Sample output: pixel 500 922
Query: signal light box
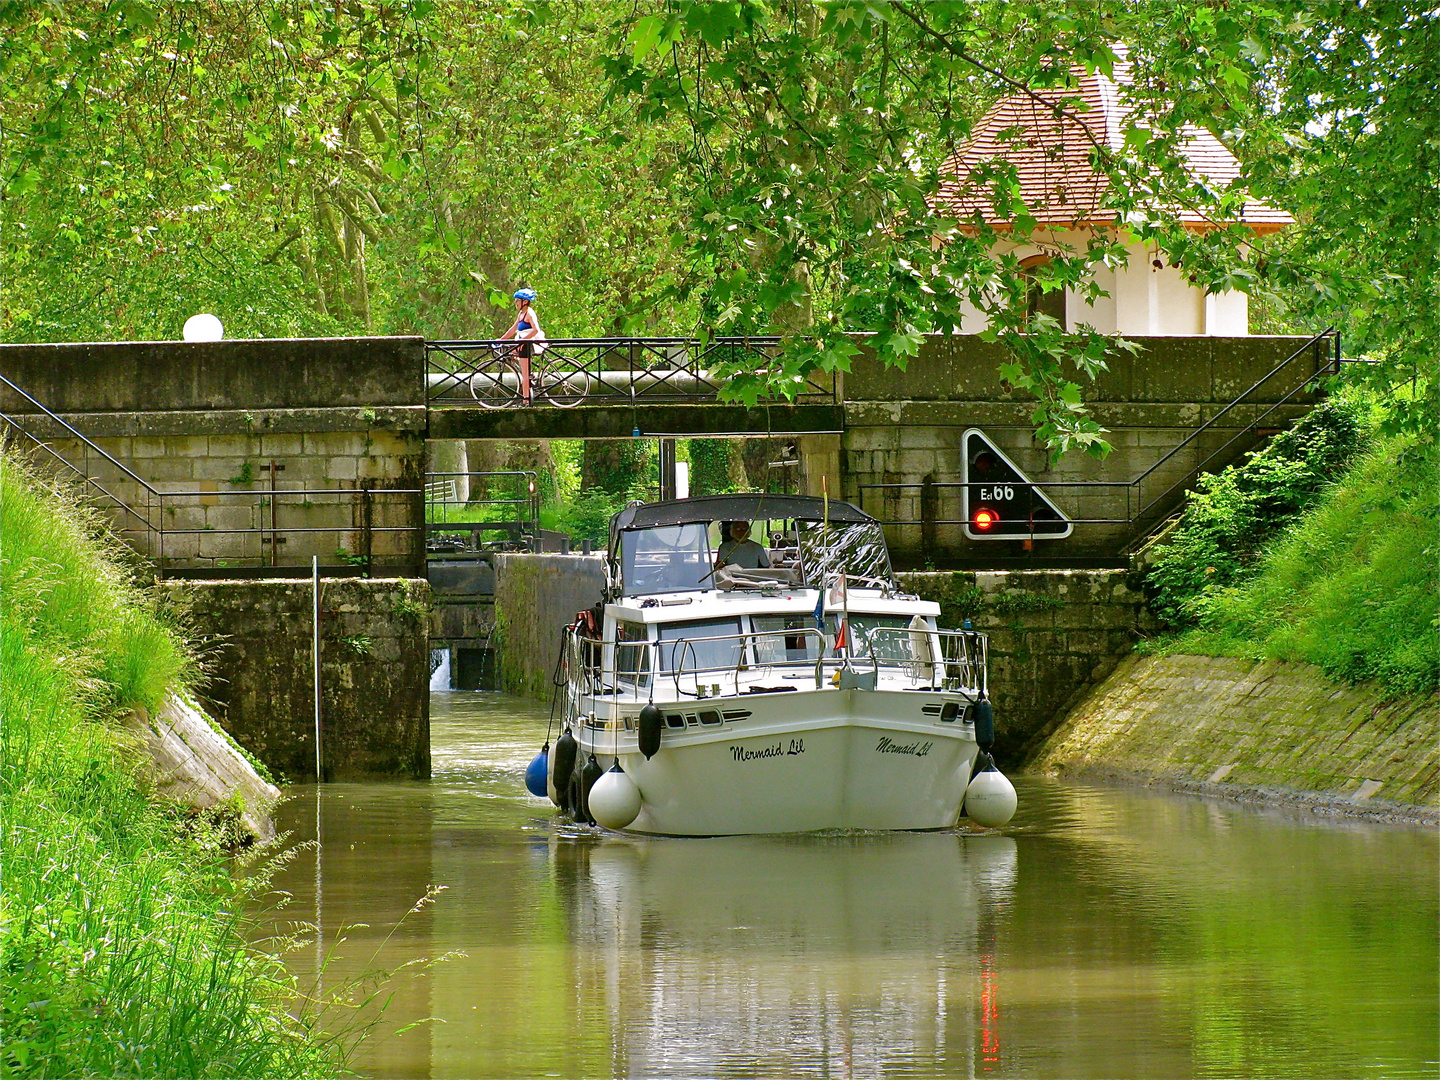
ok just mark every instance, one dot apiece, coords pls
pixel 1000 501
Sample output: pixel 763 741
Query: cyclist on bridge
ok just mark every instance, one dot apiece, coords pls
pixel 526 330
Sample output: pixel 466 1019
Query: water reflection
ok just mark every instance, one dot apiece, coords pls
pixel 1107 933
pixel 799 952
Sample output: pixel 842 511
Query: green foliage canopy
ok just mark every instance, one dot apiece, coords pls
pixel 819 131
pixel 739 166
pixel 310 168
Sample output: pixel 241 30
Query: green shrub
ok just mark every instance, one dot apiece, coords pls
pixel 588 515
pixel 1351 587
pixel 1235 513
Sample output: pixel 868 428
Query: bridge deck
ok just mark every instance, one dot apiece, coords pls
pixel 621 420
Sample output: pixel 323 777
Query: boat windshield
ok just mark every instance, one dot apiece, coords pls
pixel 669 558
pixel 856 549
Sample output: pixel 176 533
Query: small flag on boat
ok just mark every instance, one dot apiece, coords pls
pixel 820 608
pixel 841 634
pixel 835 598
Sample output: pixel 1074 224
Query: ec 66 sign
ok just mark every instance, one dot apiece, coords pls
pixel 1000 501
pixel 996 494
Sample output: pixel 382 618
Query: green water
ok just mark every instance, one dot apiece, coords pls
pixel 1107 932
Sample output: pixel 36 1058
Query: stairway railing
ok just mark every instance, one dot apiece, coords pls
pixel 1144 519
pixel 148 513
pixel 1146 511
pixel 151 520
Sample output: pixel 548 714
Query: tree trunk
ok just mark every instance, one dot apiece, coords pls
pixel 618 466
pixel 448 456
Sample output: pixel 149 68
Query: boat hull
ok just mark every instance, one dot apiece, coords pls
pixel 800 762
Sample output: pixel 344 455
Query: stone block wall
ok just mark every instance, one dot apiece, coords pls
pixel 462 619
pixel 264 499
pixel 905 428
pixel 1232 727
pixel 1053 634
pixel 536 596
pixel 375 671
pixel 213 427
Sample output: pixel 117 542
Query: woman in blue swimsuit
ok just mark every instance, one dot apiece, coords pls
pixel 526 330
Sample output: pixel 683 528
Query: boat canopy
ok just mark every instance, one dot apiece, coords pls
pixel 665 546
pixel 745 506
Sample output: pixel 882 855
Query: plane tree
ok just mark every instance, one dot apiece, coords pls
pixel 819 132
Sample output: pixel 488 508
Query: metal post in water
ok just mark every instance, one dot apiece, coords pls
pixel 315 653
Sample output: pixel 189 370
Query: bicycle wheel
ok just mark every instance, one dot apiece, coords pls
pixel 564 382
pixel 496 383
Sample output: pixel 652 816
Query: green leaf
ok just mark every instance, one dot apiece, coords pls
pixel 646 35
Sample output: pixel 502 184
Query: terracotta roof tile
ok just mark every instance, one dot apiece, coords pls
pixel 1052 159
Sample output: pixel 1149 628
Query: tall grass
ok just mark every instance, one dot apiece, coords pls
pixel 1351 586
pixel 121 946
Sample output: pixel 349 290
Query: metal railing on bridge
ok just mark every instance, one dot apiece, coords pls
pixel 601 371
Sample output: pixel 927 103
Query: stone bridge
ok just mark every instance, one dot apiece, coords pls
pixel 251 458
pixel 265 453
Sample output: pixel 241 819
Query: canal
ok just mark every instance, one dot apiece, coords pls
pixel 1106 932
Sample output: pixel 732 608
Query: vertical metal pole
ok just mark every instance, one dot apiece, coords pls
pixel 667 469
pixel 274 518
pixel 319 899
pixel 315 654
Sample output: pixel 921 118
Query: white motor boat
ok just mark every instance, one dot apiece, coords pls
pixel 808 695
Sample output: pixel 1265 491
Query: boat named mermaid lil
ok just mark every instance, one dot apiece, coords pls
pixel 809 694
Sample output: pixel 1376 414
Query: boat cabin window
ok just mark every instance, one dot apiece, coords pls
pixel 700 655
pixel 889 635
pixel 632 654
pixel 856 549
pixel 786 638
pixel 670 558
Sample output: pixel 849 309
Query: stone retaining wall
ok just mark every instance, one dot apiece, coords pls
pixel 1266 731
pixel 1053 634
pixel 196 765
pixel 901 450
pixel 375 672
pixel 251 453
pixel 536 596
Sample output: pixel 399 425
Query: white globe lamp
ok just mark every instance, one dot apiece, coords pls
pixel 203 327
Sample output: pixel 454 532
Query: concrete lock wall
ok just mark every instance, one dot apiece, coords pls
pixel 1253 731
pixel 375 672
pixel 1053 634
pixel 904 428
pixel 536 596
pixel 462 620
pixel 262 452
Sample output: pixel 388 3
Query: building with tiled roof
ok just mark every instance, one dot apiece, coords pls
pixel 1069 199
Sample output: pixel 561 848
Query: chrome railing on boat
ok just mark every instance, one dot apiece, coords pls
pixel 961 661
pixel 941 659
pixel 683 647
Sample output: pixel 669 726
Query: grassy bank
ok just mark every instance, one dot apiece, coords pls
pixel 121 948
pixel 1345 581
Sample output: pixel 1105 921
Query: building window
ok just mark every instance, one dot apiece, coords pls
pixel 1038 302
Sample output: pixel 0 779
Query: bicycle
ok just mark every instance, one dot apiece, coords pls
pixel 497 383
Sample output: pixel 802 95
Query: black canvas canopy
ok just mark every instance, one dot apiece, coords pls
pixel 746 506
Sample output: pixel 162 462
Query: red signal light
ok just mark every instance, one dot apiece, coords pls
pixel 985 519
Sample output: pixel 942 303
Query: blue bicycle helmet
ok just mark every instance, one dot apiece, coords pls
pixel 525 294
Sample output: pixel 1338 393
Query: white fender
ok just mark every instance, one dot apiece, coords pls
pixel 990 799
pixel 614 800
